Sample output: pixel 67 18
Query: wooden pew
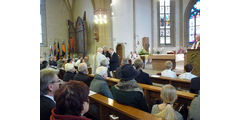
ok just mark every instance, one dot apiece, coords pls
pixel 108 106
pixel 176 82
pixel 152 93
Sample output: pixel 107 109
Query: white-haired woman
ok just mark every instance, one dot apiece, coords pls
pixel 165 110
pixel 99 84
pixel 168 71
pixel 70 72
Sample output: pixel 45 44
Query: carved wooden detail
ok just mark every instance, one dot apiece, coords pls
pixel 193 57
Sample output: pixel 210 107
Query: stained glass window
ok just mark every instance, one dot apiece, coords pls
pixel 194 22
pixel 164 26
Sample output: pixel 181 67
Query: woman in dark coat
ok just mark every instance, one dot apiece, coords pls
pixel 127 91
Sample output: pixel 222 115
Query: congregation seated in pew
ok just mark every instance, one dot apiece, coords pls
pixel 82 74
pixel 195 85
pixel 168 71
pixel 70 72
pixel 111 109
pixel 44 64
pixel 187 75
pixel 117 74
pixel 71 101
pixel 166 110
pixel 133 106
pixel 194 110
pixel 127 91
pixel 99 84
pixel 105 63
pixel 49 83
pixel 142 77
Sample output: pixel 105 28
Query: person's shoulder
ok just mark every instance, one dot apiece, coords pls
pixel 179 116
pixel 196 79
pixel 181 75
pixel 145 73
pixel 45 101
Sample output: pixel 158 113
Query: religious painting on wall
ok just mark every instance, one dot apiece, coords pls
pixel 71 40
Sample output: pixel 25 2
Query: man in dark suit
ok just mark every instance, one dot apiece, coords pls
pixel 105 52
pixel 142 76
pixel 195 85
pixel 49 83
pixel 114 60
pixel 82 74
pixel 53 62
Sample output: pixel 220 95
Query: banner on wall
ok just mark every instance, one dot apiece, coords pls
pixel 54 49
pixel 63 50
pixel 58 51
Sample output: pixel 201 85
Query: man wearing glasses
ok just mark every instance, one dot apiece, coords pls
pixel 49 83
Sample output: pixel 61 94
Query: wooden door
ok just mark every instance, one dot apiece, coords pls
pixel 119 51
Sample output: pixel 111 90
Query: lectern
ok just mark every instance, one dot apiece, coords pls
pixel 193 57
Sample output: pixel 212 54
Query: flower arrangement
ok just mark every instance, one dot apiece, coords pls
pixel 143 52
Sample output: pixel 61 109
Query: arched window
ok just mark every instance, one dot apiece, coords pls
pixel 194 22
pixel 165 22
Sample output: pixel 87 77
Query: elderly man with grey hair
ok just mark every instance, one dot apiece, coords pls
pixel 105 52
pixel 49 83
pixel 99 83
pixel 82 74
pixel 70 72
pixel 98 57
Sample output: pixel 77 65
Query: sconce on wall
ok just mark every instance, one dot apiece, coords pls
pixel 100 16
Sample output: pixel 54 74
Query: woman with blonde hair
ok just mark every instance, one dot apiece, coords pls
pixel 165 110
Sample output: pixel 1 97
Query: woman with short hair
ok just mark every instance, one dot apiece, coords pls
pixel 165 110
pixel 168 71
pixel 99 84
pixel 142 76
pixel 71 101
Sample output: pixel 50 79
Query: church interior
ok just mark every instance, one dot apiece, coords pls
pixel 161 34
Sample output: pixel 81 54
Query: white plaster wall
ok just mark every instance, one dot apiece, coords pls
pixel 143 21
pixel 123 24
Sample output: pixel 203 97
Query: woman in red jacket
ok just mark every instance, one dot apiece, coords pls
pixel 71 101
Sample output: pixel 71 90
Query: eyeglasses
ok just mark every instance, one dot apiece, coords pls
pixel 58 81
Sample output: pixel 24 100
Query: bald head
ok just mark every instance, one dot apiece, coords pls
pixel 197 37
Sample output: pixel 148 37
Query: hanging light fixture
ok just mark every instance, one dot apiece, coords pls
pixel 100 16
